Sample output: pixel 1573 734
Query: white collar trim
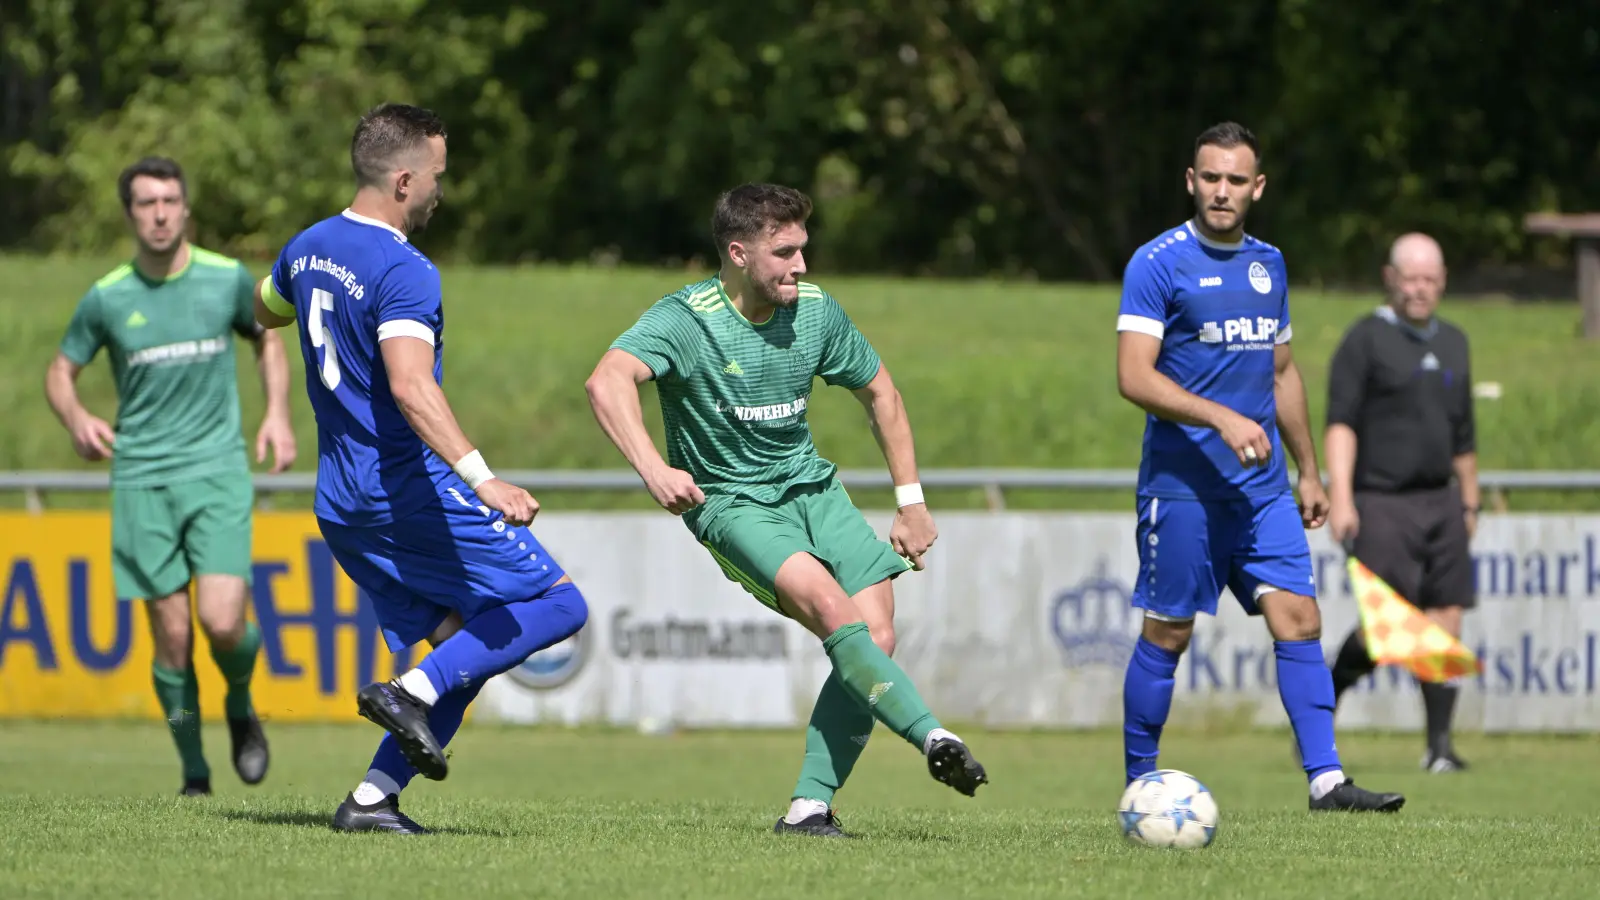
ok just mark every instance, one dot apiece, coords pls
pixel 357 217
pixel 1214 244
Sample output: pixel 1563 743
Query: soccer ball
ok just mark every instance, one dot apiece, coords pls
pixel 1168 808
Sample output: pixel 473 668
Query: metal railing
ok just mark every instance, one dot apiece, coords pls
pixel 993 482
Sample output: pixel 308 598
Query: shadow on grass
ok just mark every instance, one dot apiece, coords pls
pixel 324 821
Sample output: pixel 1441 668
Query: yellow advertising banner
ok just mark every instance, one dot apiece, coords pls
pixel 69 648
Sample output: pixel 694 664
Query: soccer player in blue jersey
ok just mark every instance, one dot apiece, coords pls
pixel 408 507
pixel 1203 347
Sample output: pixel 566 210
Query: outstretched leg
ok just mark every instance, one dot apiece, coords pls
pixel 423 708
pixel 808 593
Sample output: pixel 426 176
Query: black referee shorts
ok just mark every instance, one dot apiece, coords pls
pixel 1417 542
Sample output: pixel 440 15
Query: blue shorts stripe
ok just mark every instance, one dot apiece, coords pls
pixel 1190 550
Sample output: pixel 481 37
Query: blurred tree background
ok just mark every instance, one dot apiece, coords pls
pixel 948 137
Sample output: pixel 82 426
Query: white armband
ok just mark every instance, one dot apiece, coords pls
pixel 907 494
pixel 472 469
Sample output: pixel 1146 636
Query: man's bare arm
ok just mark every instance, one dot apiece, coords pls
pixel 1294 415
pixel 891 427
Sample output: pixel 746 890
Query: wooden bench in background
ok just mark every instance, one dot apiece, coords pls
pixel 1584 230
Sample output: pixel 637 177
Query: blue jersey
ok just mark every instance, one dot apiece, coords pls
pixel 1219 311
pixel 354 281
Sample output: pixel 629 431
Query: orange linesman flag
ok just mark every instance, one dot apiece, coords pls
pixel 1397 633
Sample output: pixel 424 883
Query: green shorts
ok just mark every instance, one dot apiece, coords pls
pixel 161 537
pixel 751 540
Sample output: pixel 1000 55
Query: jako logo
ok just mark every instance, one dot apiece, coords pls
pixel 1094 622
pixel 553 666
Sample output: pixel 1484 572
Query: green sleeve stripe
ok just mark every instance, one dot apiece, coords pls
pixel 115 275
pixel 273 301
pixel 207 258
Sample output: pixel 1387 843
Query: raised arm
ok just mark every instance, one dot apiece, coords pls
pixel 613 390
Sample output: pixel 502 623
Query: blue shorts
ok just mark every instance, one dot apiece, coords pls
pixel 454 555
pixel 1189 550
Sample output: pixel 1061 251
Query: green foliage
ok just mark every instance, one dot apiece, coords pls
pixel 958 137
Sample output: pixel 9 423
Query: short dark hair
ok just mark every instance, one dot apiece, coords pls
pixel 155 167
pixel 750 209
pixel 1228 135
pixel 386 133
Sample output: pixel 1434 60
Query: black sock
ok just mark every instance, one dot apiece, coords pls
pixel 1351 665
pixel 1439 701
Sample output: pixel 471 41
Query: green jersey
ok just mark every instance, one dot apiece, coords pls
pixel 171 349
pixel 734 393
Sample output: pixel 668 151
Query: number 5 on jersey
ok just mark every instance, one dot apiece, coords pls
pixel 320 337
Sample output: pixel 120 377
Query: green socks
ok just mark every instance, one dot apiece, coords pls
pixel 878 683
pixel 237 666
pixel 179 693
pixel 840 726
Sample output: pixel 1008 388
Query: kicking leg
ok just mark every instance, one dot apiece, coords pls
pixel 235 643
pixel 1306 687
pixel 808 593
pixel 1147 690
pixel 839 728
pixel 172 672
pixel 488 644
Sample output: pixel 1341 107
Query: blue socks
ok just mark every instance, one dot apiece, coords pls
pixel 488 644
pixel 1146 700
pixel 498 639
pixel 1304 683
pixel 1306 686
pixel 444 719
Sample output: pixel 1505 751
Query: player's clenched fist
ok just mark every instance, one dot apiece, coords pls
pixel 516 504
pixel 1247 440
pixel 913 533
pixel 675 490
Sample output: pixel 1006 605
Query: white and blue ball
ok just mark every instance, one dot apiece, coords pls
pixel 1168 808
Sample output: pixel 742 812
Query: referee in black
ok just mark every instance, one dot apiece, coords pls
pixel 1402 465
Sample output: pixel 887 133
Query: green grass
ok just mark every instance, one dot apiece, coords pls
pixel 88 810
pixel 994 374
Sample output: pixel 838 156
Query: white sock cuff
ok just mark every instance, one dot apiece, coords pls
pixel 935 735
pixel 804 808
pixel 377 786
pixel 418 685
pixel 1326 782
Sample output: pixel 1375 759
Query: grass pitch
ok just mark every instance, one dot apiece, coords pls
pixel 89 810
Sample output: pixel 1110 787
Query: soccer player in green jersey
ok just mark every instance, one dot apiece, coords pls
pixel 733 358
pixel 181 492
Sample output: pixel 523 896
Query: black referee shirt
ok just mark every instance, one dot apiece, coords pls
pixel 1407 394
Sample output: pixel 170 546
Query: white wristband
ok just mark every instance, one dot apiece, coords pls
pixel 472 469
pixel 907 494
